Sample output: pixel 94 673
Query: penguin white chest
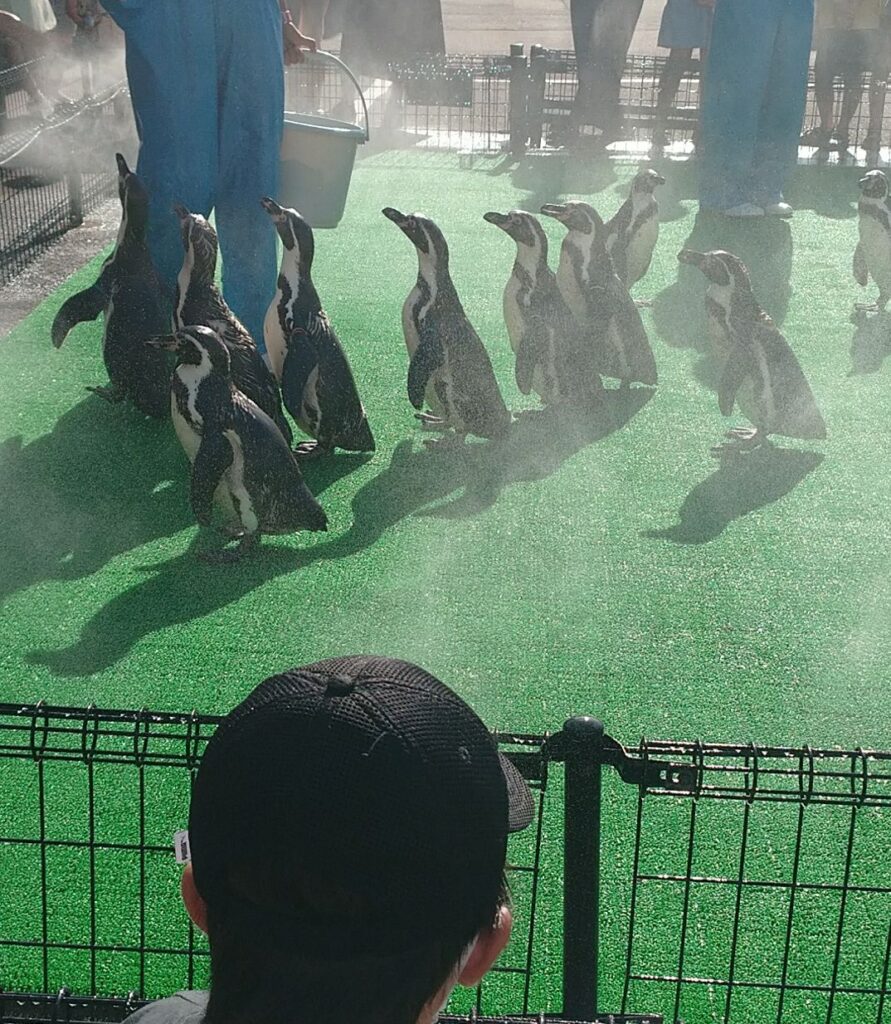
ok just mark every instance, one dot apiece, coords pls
pixel 643 242
pixel 235 481
pixel 570 286
pixel 876 245
pixel 274 336
pixel 516 301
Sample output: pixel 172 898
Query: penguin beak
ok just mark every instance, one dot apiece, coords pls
pixel 657 179
pixel 123 169
pixel 691 256
pixel 500 220
pixel 555 210
pixel 272 208
pixel 163 342
pixel 181 211
pixel 394 215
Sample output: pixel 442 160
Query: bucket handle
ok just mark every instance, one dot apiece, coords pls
pixel 352 78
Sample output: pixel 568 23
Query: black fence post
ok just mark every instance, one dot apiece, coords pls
pixel 74 179
pixel 582 742
pixel 517 95
pixel 538 69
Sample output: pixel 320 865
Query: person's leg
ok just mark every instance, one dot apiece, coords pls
pixel 251 93
pixel 776 150
pixel 824 82
pixel 581 14
pixel 738 70
pixel 612 30
pixel 170 69
pixel 880 58
pixel 669 83
pixel 853 68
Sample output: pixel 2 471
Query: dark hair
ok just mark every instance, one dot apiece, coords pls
pixel 261 975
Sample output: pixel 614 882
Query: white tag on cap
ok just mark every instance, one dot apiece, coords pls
pixel 181 847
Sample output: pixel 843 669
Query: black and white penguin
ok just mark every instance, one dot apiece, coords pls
pixel 130 294
pixel 305 353
pixel 872 257
pixel 553 355
pixel 598 299
pixel 631 235
pixel 240 461
pixel 449 367
pixel 760 372
pixel 197 301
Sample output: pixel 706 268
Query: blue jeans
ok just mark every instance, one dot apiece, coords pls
pixel 207 84
pixel 754 100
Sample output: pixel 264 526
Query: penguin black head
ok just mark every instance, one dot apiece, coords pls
pixel 719 266
pixel 193 345
pixel 293 230
pixel 645 181
pixel 422 232
pixel 522 227
pixel 133 195
pixel 874 185
pixel 576 216
pixel 199 239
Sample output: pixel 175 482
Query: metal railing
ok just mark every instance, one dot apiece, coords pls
pixel 691 881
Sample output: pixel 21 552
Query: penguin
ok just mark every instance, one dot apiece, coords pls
pixel 449 367
pixel 631 235
pixel 198 302
pixel 239 458
pixel 598 299
pixel 128 291
pixel 318 388
pixel 760 373
pixel 551 350
pixel 872 257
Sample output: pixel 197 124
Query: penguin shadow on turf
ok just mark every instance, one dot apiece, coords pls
pixel 459 482
pixel 870 344
pixel 829 191
pixel 183 588
pixel 105 480
pixel 764 244
pixel 739 486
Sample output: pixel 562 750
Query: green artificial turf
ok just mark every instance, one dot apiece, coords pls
pixel 615 569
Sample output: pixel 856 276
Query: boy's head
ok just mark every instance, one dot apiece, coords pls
pixel 350 819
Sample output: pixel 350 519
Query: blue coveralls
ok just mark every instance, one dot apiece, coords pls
pixel 207 84
pixel 754 100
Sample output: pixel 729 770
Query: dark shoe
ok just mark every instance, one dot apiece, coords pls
pixel 819 137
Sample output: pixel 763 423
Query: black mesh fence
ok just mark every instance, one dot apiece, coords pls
pixel 688 881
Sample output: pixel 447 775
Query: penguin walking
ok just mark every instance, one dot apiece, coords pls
pixel 552 353
pixel 305 353
pixel 198 302
pixel 598 299
pixel 631 235
pixel 872 257
pixel 760 374
pixel 449 367
pixel 240 461
pixel 129 293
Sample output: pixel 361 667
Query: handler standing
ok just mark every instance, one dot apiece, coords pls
pixel 207 86
pixel 754 105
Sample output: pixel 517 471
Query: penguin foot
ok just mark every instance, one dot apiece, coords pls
pixel 311 450
pixel 245 546
pixel 430 422
pixel 110 393
pixel 643 303
pixel 231 531
pixel 447 441
pixel 741 440
pixel 870 307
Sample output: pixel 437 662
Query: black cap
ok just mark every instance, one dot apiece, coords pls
pixel 364 779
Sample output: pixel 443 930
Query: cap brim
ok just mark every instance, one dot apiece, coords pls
pixel 520 808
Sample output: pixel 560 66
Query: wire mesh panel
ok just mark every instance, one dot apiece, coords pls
pixel 89 803
pixel 764 894
pixel 56 161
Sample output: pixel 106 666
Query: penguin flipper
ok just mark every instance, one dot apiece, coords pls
pixel 427 359
pixel 527 357
pixel 85 305
pixel 859 268
pixel 213 458
pixel 735 372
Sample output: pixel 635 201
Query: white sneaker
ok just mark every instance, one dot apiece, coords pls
pixel 744 210
pixel 778 210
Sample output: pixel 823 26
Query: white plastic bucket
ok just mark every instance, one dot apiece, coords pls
pixel 317 158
